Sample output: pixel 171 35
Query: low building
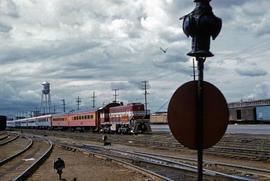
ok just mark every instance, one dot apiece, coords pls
pixel 159 118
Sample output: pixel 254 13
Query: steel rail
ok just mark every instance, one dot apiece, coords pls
pixel 2 162
pixel 223 164
pixel 117 160
pixel 206 171
pixel 231 143
pixel 241 149
pixel 4 137
pixel 26 173
pixel 219 163
pixel 239 153
pixel 212 162
pixel 8 141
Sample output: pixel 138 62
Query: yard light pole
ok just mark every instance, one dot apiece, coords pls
pixel 201 24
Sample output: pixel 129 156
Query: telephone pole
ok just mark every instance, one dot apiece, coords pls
pixel 64 105
pixel 78 100
pixel 145 94
pixel 115 95
pixel 93 99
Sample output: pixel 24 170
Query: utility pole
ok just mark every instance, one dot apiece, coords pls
pixel 145 95
pixel 93 99
pixel 78 100
pixel 64 105
pixel 115 95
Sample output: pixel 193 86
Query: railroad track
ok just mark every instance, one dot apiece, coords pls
pixel 8 139
pixel 175 168
pixel 13 147
pixel 253 147
pixel 3 136
pixel 253 172
pixel 21 164
pixel 236 147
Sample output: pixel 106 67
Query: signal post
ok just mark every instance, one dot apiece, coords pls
pixel 198 112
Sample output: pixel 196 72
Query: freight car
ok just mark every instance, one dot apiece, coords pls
pixel 263 114
pixel 113 117
pixel 3 120
pixel 242 115
pixel 252 115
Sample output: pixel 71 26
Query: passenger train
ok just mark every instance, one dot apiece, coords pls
pixel 111 118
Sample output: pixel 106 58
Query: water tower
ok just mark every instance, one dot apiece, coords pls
pixel 45 106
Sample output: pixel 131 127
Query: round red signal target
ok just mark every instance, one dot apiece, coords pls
pixel 182 115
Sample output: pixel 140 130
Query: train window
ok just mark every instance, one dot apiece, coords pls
pixel 88 116
pixel 238 114
pixel 92 116
pixel 77 118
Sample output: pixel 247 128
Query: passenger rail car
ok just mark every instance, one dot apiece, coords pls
pixel 113 117
pixel 82 121
pixel 41 122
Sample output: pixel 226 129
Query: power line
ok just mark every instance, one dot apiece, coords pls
pixel 115 95
pixel 64 105
pixel 93 99
pixel 78 100
pixel 145 94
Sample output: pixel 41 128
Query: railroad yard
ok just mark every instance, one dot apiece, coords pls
pixel 156 156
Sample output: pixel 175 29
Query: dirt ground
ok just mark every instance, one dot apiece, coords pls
pixel 84 168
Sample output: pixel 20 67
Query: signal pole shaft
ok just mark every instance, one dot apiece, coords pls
pixel 199 116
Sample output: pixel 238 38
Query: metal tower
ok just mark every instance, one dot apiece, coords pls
pixel 45 106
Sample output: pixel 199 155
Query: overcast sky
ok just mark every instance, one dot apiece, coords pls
pixel 81 46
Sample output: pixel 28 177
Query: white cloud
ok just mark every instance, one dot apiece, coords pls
pixel 85 46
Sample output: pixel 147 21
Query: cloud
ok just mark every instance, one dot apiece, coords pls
pixel 229 3
pixel 8 8
pixel 262 91
pixel 4 28
pixel 85 46
pixel 251 72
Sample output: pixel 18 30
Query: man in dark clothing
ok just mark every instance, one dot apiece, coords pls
pixel 59 164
